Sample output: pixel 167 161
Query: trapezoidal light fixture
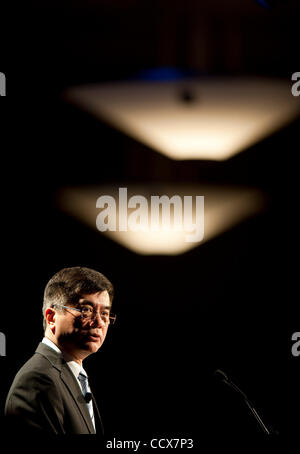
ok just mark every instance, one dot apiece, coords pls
pixel 161 219
pixel 211 119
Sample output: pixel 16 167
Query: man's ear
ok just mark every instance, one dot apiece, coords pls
pixel 50 316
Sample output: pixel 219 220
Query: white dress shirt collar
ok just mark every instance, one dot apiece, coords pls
pixel 73 365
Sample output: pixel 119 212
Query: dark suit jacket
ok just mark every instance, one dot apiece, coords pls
pixel 46 397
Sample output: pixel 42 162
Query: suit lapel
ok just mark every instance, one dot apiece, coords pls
pixel 69 380
pixel 97 416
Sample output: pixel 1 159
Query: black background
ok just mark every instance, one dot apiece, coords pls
pixel 231 303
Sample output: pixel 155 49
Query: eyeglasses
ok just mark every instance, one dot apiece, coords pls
pixel 87 313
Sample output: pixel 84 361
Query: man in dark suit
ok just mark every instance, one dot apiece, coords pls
pixel 50 394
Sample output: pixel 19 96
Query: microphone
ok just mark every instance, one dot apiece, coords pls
pixel 221 376
pixel 88 397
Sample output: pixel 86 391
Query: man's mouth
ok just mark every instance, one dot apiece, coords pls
pixel 94 336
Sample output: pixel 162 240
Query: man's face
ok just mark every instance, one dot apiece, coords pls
pixel 78 336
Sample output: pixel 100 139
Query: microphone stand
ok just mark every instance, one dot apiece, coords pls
pixel 224 378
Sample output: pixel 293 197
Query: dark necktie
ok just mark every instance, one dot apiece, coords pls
pixel 87 394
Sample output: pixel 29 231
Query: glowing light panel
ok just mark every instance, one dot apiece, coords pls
pixel 210 119
pixel 224 207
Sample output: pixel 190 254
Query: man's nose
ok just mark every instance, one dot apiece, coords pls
pixel 98 320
